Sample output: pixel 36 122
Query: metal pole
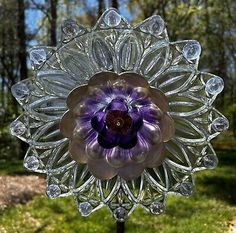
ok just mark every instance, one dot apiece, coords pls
pixel 120 227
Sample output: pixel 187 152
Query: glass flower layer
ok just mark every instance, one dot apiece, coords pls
pixel 118 115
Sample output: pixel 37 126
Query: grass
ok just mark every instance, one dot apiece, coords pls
pixel 12 168
pixel 209 210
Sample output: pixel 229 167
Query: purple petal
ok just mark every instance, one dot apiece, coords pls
pixel 98 121
pixel 140 151
pixel 140 102
pixel 151 113
pixel 94 150
pixel 82 109
pixel 129 90
pixel 151 133
pixel 91 135
pixel 118 157
pixel 107 139
pixel 139 93
pixel 117 104
pixel 137 120
pixel 108 89
pixel 127 141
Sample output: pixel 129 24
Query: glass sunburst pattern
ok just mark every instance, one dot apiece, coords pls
pixel 113 45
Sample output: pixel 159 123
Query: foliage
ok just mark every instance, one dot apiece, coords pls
pixel 9 146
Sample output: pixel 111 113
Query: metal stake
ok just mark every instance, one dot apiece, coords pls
pixel 120 227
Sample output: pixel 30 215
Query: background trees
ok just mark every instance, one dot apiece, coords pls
pixel 28 22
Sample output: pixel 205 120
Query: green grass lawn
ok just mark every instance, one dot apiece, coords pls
pixel 209 210
pixel 12 168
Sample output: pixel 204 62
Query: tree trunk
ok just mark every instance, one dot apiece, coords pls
pixel 53 22
pixel 22 40
pixel 22 55
pixel 114 3
pixel 101 7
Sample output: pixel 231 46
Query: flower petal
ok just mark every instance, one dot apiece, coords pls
pixel 139 151
pixel 131 170
pixel 46 108
pixel 77 151
pixel 76 96
pixel 151 133
pixel 67 124
pixel 94 150
pixel 101 78
pixel 155 156
pixel 107 139
pixel 101 169
pixel 127 141
pixel 155 60
pixel 188 131
pixel 151 113
pixel 118 157
pixel 134 79
pixel 73 59
pixel 139 93
pixel 137 120
pixel 117 104
pixel 56 82
pixel 98 121
pixel 83 131
pixel 175 79
pixel 167 126
pixel 154 25
pixel 159 99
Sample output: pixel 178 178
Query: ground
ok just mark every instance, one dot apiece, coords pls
pixel 19 189
pixel 212 208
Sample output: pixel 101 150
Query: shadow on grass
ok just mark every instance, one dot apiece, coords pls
pixel 221 182
pixel 14 167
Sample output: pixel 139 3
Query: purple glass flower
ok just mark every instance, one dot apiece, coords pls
pixel 117 124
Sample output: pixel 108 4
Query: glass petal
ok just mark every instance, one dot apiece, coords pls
pixel 56 82
pixel 101 54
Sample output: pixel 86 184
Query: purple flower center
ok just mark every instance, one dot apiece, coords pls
pixel 118 121
pixel 117 125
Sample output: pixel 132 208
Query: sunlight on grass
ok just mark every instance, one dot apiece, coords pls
pixel 209 210
pixel 195 214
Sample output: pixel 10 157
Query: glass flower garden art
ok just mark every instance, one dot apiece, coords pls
pixel 118 116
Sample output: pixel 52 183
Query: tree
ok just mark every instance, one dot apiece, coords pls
pixel 213 24
pixel 114 3
pixel 53 22
pixel 101 7
pixel 22 40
